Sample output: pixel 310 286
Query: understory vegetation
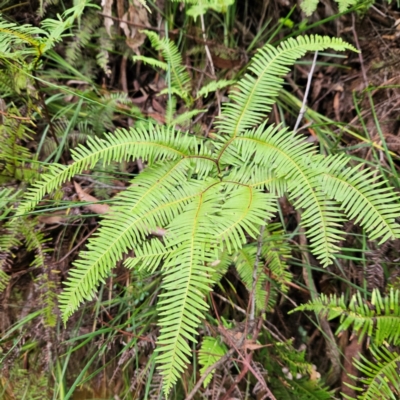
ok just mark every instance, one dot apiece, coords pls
pixel 199 200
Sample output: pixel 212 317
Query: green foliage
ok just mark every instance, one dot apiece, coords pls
pixel 18 42
pixel 4 278
pixel 379 319
pixel 382 379
pixel 210 352
pixel 309 6
pixel 211 195
pixel 200 7
pixel 293 372
pixel 180 78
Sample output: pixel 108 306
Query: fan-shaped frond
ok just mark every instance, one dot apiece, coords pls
pixel 256 91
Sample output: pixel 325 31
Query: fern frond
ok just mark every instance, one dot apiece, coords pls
pixel 309 6
pixel 380 321
pixel 243 212
pixel 203 6
pixel 211 350
pixel 382 379
pixel 186 281
pixel 290 157
pixel 310 390
pixel 276 252
pixel 151 61
pixel 180 78
pixel 15 38
pixel 4 278
pixel 364 198
pixel 255 93
pixel 149 256
pixel 158 196
pixel 213 86
pixel 154 144
pixel 259 178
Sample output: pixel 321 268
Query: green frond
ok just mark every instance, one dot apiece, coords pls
pixel 36 241
pixel 309 6
pixel 310 390
pixel 156 197
pixel 290 157
pixel 18 41
pixel 364 198
pixel 180 78
pixel 57 27
pixel 185 119
pixel 149 256
pixel 203 6
pixel 242 212
pixel 7 197
pixel 382 379
pixel 211 350
pixel 82 36
pixel 186 280
pixel 4 278
pixel 151 144
pixel 276 252
pixel 380 320
pixel 255 93
pixel 259 178
pixel 151 61
pixel 213 86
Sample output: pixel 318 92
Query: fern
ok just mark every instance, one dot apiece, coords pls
pixel 18 42
pixel 380 320
pixel 212 195
pixel 382 379
pixel 309 6
pixel 210 352
pixel 180 79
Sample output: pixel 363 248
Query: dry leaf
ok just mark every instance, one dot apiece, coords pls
pixel 136 15
pixel 107 11
pixel 96 208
